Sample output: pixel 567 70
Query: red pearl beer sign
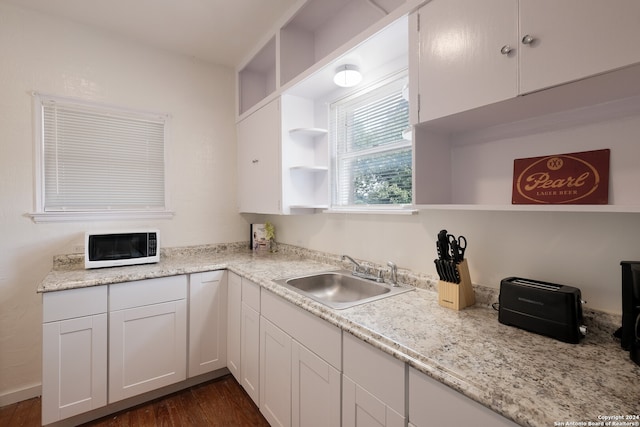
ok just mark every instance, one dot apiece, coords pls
pixel 573 178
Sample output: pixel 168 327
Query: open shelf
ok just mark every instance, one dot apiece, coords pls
pixel 473 169
pixel 305 157
pixel 309 207
pixel 534 208
pixel 309 168
pixel 257 79
pixel 309 132
pixel 321 26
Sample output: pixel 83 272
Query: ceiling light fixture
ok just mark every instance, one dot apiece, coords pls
pixel 347 76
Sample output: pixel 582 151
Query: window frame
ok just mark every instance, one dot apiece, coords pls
pixel 404 208
pixel 40 214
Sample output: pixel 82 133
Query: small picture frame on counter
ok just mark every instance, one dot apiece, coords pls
pixel 258 238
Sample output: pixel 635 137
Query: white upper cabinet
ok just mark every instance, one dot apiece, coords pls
pixel 462 64
pixel 282 159
pixel 511 79
pixel 283 129
pixel 473 54
pixel 259 187
pixel 573 39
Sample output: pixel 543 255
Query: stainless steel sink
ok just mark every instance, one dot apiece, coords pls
pixel 340 289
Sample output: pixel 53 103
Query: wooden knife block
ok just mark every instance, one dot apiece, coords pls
pixel 457 295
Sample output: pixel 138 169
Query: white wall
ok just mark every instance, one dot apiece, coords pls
pixel 38 53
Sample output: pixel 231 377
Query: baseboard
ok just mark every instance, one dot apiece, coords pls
pixel 20 395
pixel 137 400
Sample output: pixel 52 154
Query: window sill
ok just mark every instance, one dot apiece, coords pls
pixel 375 210
pixel 42 217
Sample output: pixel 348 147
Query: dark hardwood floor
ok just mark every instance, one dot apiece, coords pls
pixel 221 402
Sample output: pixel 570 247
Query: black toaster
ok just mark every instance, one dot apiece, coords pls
pixel 544 308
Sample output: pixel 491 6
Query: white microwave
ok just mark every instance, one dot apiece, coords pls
pixel 117 248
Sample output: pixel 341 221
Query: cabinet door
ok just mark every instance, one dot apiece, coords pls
pixel 315 390
pixel 574 39
pixel 74 374
pixel 370 400
pixel 147 348
pixel 433 403
pixel 250 352
pixel 275 374
pixel 234 320
pixel 362 409
pixel 207 322
pixel 461 65
pixel 259 170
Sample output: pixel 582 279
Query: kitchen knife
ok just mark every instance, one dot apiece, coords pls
pixel 456 272
pixel 455 250
pixel 443 245
pixel 438 263
pixel 451 271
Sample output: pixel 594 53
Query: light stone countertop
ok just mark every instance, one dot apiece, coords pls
pixel 531 379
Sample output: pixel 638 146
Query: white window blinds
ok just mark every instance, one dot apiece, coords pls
pixel 371 160
pixel 101 159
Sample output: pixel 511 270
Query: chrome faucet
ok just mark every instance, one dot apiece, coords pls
pixel 362 272
pixel 356 266
pixel 394 274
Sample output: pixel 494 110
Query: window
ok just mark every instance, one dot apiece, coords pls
pixel 94 159
pixel 371 161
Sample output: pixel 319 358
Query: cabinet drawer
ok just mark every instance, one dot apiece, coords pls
pixel 212 276
pixel 73 303
pixel 433 403
pixel 376 371
pixel 314 333
pixel 251 294
pixel 144 292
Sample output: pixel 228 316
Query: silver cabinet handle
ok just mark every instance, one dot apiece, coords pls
pixel 528 39
pixel 506 49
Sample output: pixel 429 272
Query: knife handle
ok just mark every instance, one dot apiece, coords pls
pixel 438 268
pixel 456 272
pixel 455 252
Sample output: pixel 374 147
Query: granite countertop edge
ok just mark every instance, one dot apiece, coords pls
pixel 504 393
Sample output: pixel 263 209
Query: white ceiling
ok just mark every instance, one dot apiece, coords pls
pixel 217 31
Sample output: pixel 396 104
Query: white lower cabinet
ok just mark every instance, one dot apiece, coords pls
pixel 103 344
pixel 250 340
pixel 373 386
pixel 275 374
pixel 147 335
pixel 234 320
pixel 363 409
pixel 300 366
pixel 315 387
pixel 74 352
pixel 207 322
pixel 433 403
